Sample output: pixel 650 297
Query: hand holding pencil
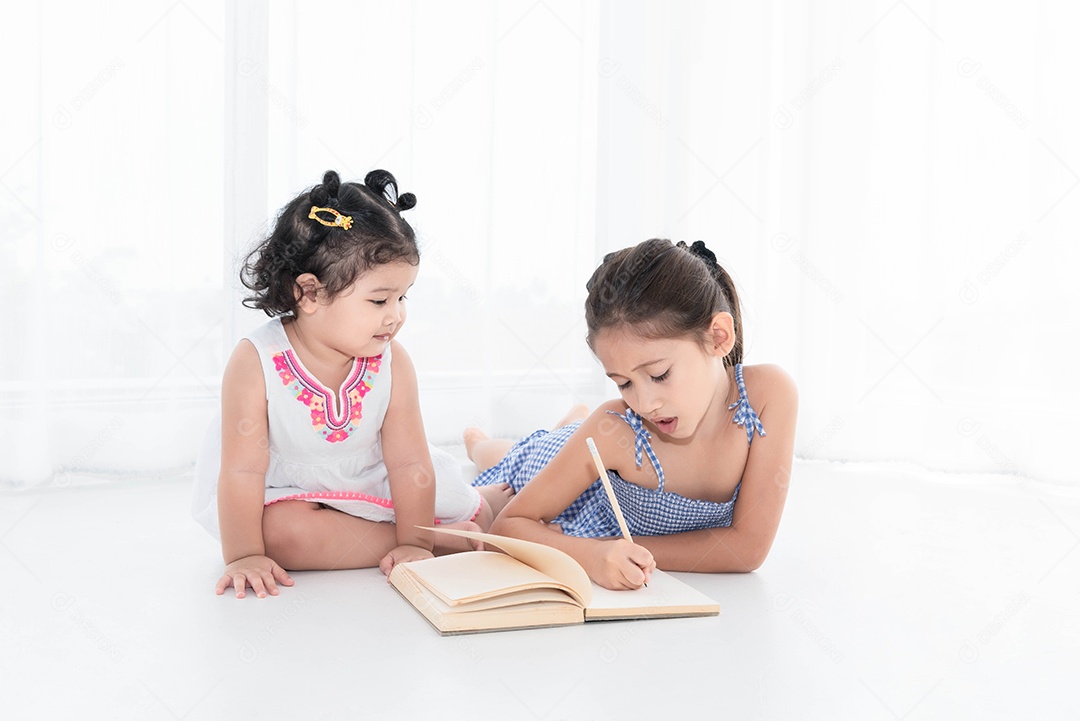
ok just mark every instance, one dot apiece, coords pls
pixel 606 482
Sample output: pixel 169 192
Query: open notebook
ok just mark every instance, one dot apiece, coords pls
pixel 531 585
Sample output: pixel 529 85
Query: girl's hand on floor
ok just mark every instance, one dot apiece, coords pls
pixel 259 572
pixel 620 565
pixel 403 554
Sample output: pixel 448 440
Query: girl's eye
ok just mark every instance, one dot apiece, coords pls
pixel 623 386
pixel 661 378
pixel 383 301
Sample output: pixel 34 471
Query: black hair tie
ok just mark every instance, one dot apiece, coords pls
pixel 698 249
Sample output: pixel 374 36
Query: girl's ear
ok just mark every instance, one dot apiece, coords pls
pixel 306 290
pixel 722 334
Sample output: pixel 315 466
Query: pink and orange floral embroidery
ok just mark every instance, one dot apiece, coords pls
pixel 334 423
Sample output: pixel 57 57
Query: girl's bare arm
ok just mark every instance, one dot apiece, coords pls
pixel 245 457
pixel 408 463
pixel 744 545
pixel 613 563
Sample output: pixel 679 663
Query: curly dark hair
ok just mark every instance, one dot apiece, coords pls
pixel 334 254
pixel 663 290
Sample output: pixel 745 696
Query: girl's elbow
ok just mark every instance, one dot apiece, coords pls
pixel 735 560
pixel 753 554
pixel 497 526
pixel 506 524
pixel 739 563
pixel 503 525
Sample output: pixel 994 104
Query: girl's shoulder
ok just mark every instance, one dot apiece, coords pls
pixel 243 376
pixel 605 410
pixel 393 352
pixel 767 373
pixel 245 359
pixel 400 363
pixel 607 419
pixel 614 437
pixel 769 383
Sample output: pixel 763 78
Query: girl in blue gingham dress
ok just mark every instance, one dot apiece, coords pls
pixel 665 323
pixel 647 511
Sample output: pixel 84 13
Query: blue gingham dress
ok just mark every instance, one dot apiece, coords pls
pixel 648 512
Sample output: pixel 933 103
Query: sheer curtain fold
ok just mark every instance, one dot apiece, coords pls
pixel 110 217
pixel 892 191
pixel 892 187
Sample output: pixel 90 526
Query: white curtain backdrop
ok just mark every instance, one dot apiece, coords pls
pixel 890 183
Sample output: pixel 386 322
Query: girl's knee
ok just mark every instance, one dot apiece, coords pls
pixel 284 536
pixel 485 515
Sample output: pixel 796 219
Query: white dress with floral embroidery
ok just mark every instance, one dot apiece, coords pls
pixel 326 447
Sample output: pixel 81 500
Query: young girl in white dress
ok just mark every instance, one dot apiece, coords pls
pixel 321 460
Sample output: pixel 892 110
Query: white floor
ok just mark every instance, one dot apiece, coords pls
pixel 889 594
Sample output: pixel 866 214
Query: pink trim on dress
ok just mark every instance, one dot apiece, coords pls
pixel 335 496
pixel 351 496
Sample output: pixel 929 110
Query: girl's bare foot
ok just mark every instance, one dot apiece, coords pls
pixel 485 452
pixel 471 436
pixel 495 497
pixel 446 543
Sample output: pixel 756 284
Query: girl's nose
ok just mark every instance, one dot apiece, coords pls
pixel 649 403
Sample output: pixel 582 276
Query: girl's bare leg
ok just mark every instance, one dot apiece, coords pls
pixel 305 536
pixel 483 451
pixel 486 452
pixel 577 413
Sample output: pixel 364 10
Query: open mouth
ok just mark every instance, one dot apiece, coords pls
pixel 666 425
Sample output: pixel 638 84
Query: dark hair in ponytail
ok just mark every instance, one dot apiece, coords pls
pixel 335 250
pixel 663 290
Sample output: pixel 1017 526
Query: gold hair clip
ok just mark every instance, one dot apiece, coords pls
pixel 339 221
